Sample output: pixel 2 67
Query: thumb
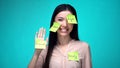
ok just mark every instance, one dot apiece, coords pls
pixel 47 40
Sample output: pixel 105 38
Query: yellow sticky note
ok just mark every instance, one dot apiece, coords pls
pixel 55 27
pixel 71 19
pixel 73 56
pixel 40 44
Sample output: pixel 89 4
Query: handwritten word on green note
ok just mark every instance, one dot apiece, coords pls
pixel 73 56
pixel 71 19
pixel 40 44
pixel 55 27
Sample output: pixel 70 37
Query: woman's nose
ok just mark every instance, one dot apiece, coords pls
pixel 64 23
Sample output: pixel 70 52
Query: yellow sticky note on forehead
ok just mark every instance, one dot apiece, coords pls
pixel 73 56
pixel 71 19
pixel 40 44
pixel 55 27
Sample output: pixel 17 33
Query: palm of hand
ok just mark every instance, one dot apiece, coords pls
pixel 40 42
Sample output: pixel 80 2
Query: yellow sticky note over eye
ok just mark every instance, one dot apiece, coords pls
pixel 55 27
pixel 73 56
pixel 71 19
pixel 40 44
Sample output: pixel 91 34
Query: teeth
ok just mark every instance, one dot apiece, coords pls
pixel 63 30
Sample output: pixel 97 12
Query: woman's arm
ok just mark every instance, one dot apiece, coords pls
pixel 34 58
pixel 88 63
pixel 39 36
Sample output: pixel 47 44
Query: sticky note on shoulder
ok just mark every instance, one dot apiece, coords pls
pixel 55 27
pixel 40 44
pixel 71 19
pixel 73 56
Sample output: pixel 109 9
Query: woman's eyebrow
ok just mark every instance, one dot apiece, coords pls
pixel 59 17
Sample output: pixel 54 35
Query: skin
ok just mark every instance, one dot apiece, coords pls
pixel 63 32
pixel 37 52
pixel 63 35
pixel 65 27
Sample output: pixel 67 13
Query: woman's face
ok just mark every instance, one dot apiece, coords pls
pixel 65 27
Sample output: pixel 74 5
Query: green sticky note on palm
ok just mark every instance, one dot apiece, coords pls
pixel 55 27
pixel 40 44
pixel 73 56
pixel 71 19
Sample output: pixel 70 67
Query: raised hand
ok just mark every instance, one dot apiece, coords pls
pixel 40 42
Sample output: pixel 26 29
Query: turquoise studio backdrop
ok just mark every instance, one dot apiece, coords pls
pixel 98 20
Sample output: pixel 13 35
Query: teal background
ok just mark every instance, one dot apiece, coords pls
pixel 99 25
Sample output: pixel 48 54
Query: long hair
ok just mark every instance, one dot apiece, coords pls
pixel 53 36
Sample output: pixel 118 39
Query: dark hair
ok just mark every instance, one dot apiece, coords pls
pixel 53 36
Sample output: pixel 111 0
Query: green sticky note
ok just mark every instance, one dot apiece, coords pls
pixel 40 44
pixel 55 27
pixel 73 56
pixel 71 19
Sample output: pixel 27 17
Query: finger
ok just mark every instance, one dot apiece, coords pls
pixel 44 32
pixel 46 39
pixel 39 33
pixel 36 35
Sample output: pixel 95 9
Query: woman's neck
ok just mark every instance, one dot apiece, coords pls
pixel 63 40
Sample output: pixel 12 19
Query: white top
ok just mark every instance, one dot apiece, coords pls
pixel 60 59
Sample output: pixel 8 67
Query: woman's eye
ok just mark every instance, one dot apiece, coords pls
pixel 60 19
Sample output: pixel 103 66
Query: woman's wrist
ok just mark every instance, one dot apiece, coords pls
pixel 38 51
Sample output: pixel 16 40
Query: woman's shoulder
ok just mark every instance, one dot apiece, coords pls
pixel 80 43
pixel 81 46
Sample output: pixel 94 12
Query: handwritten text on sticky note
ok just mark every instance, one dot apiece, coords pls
pixel 55 27
pixel 73 56
pixel 40 44
pixel 71 19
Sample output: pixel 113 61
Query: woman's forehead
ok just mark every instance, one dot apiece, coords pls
pixel 63 13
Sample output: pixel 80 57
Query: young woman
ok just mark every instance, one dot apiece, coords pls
pixel 64 46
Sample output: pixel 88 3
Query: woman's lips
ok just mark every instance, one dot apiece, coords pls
pixel 64 30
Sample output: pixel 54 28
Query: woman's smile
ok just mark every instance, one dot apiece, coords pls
pixel 65 27
pixel 64 30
